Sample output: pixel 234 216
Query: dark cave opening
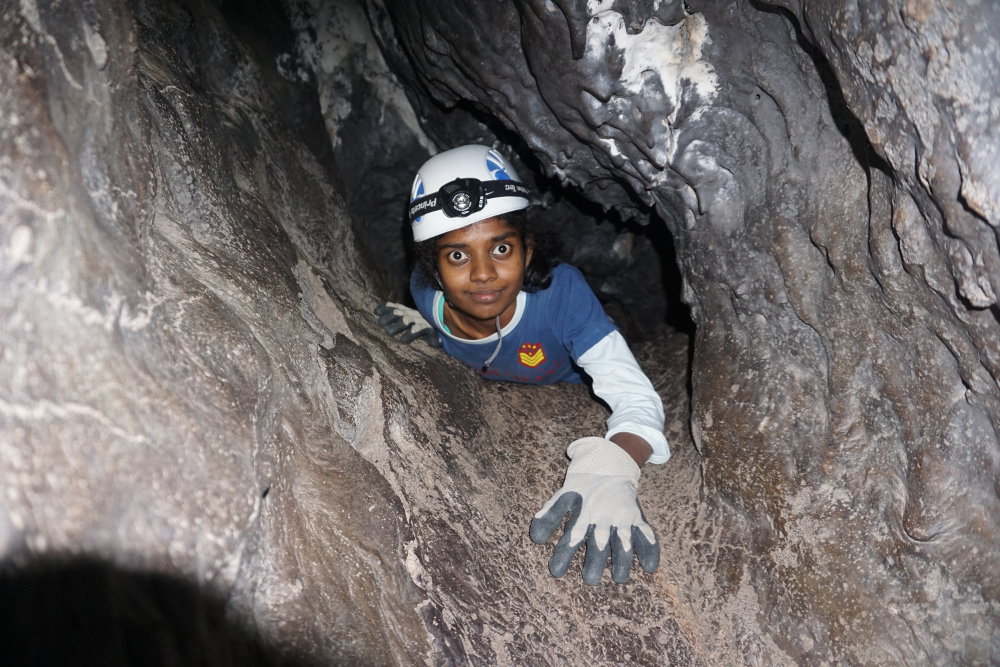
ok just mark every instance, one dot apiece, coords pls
pixel 376 165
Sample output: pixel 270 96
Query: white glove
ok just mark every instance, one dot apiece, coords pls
pixel 405 324
pixel 599 495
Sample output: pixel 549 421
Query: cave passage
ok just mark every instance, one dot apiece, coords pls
pixel 210 453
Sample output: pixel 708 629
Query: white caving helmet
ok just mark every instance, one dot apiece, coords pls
pixel 462 186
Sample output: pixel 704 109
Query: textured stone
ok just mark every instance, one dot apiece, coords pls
pixel 825 170
pixel 167 408
pixel 207 447
pixel 208 450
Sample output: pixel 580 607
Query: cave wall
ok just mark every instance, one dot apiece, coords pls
pixel 170 359
pixel 826 173
pixel 207 444
pixel 209 452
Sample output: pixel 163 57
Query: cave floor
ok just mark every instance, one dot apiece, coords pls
pixel 698 608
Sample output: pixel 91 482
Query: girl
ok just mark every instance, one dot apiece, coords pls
pixel 505 308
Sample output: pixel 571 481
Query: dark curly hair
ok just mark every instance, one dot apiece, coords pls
pixel 537 275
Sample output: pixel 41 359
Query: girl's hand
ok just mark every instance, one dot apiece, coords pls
pixel 599 495
pixel 405 324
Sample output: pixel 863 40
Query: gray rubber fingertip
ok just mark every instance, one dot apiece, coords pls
pixel 397 328
pixel 540 529
pixel 595 561
pixel 561 558
pixel 410 336
pixel 621 560
pixel 648 553
pixel 563 554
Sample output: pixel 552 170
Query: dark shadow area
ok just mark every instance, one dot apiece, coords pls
pixel 80 611
pixel 678 312
pixel 365 161
pixel 650 288
pixel 263 27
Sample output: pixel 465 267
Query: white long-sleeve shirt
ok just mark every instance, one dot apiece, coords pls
pixel 553 333
pixel 618 381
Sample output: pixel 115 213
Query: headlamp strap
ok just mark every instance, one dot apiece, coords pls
pixel 465 196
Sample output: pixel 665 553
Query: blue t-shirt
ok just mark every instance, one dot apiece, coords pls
pixel 550 330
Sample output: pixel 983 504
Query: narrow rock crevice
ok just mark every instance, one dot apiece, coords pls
pixel 208 447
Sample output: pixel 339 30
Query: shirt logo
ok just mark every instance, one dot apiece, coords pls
pixel 531 354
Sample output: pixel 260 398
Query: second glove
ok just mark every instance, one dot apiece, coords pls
pixel 405 324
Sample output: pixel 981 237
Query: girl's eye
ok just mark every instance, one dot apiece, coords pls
pixel 456 255
pixel 502 249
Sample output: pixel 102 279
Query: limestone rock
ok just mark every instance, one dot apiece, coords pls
pixel 208 449
pixel 825 171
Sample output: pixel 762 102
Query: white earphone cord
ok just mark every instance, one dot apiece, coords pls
pixel 496 350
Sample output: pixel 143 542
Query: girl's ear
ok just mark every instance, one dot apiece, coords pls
pixel 529 249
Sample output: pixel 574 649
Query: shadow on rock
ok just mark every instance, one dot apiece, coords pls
pixel 86 612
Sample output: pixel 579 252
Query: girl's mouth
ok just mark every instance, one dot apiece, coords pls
pixel 486 296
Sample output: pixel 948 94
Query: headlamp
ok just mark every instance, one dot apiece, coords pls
pixel 462 197
pixel 465 196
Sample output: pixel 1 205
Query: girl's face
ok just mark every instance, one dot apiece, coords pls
pixel 481 268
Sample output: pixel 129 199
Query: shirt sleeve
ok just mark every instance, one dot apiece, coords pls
pixel 580 316
pixel 635 406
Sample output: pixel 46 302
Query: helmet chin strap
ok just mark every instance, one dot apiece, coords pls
pixel 496 350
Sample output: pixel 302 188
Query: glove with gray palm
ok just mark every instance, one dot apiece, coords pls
pixel 405 324
pixel 599 494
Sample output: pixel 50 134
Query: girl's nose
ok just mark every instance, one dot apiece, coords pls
pixel 482 270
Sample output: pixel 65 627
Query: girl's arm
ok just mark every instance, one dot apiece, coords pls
pixel 636 420
pixel 600 490
pixel 634 446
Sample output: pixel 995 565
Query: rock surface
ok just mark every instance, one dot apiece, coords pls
pixel 209 451
pixel 207 447
pixel 825 170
